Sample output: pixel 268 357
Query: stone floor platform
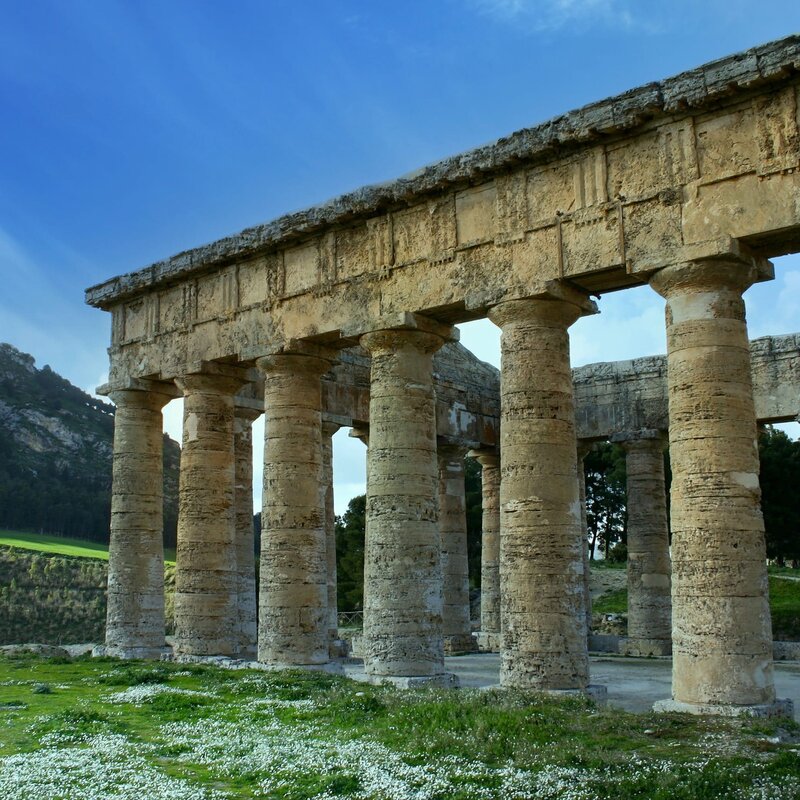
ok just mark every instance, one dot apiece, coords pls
pixel 444 680
pixel 633 684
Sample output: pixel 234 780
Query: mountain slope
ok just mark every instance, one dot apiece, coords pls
pixel 55 454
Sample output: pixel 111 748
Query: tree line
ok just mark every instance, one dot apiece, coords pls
pixel 606 512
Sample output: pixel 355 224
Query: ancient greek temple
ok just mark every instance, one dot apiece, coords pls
pixel 343 316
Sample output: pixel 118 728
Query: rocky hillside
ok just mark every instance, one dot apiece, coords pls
pixel 55 454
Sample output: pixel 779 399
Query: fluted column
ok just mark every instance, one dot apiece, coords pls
pixel 721 630
pixel 402 569
pixel 328 429
pixel 584 448
pixel 541 548
pixel 135 609
pixel 649 603
pixel 206 572
pixel 489 636
pixel 293 625
pixel 245 534
pixel 456 626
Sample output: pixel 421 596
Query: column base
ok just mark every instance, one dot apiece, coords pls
pixel 488 642
pixel 605 643
pixel 779 708
pixel 645 647
pixel 339 648
pixel 132 653
pixel 461 643
pixel 444 680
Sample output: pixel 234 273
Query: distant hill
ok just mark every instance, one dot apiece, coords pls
pixel 55 455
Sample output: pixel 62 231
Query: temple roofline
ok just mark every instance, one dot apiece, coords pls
pixel 696 89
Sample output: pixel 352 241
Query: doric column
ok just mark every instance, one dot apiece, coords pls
pixel 135 609
pixel 649 603
pixel 489 636
pixel 584 448
pixel 206 572
pixel 244 417
pixel 402 564
pixel 721 630
pixel 328 429
pixel 456 626
pixel 541 542
pixel 293 620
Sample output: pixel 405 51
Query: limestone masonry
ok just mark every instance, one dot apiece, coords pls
pixel 342 316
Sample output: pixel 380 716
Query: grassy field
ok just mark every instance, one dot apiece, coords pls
pixel 56 545
pixel 62 545
pixel 103 728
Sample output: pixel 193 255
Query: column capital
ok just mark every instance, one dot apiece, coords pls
pixel 734 273
pixel 360 432
pixel 247 413
pixel 146 398
pixel 560 305
pixel 211 378
pixel 390 340
pixel 488 457
pixel 302 347
pixel 404 321
pixel 329 428
pixel 293 362
pixel 450 449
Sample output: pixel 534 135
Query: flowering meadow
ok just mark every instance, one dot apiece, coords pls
pixel 90 729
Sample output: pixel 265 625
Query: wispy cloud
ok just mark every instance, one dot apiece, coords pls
pixel 554 15
pixel 39 317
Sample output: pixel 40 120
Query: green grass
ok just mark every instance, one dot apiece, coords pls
pixel 56 545
pixel 784 601
pixel 602 563
pixel 63 545
pixel 614 602
pixel 300 735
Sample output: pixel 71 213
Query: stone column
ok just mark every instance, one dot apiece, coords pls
pixel 456 626
pixel 293 625
pixel 206 572
pixel 402 564
pixel 541 543
pixel 135 609
pixel 584 448
pixel 245 534
pixel 489 636
pixel 721 630
pixel 328 429
pixel 649 604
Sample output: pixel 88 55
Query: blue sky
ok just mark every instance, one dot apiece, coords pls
pixel 132 130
